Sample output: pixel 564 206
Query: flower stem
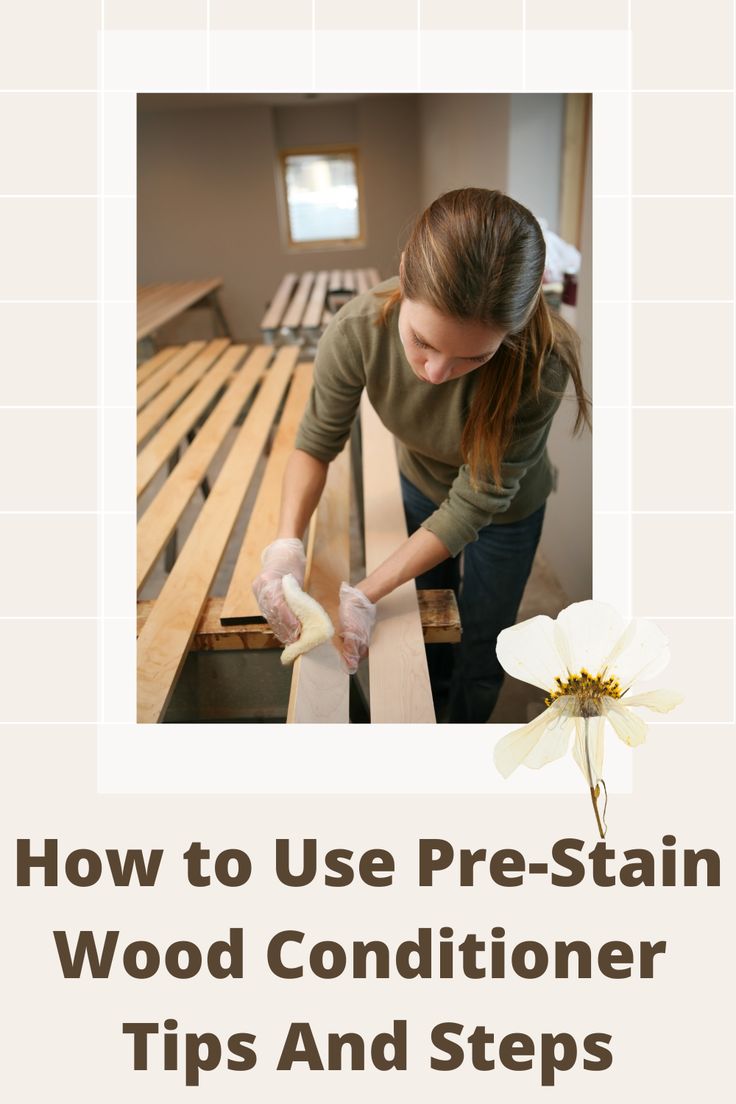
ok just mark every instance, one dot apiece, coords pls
pixel 594 790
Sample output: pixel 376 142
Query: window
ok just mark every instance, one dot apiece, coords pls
pixel 322 193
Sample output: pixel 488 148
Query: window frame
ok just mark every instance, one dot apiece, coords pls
pixel 322 244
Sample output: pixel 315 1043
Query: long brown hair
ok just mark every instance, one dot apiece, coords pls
pixel 478 255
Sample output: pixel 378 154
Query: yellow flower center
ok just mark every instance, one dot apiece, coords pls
pixel 587 690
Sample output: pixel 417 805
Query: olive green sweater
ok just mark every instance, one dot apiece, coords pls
pixel 427 421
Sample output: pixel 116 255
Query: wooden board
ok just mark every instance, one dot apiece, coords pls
pixel 165 639
pixel 272 318
pixel 155 454
pixel 240 606
pixel 373 277
pixel 162 515
pixel 572 178
pixel 159 303
pixel 437 609
pixel 148 367
pixel 313 314
pixel 158 408
pixel 166 372
pixel 320 689
pixel 399 679
pixel 293 317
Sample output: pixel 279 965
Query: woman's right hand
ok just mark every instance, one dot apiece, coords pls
pixel 283 557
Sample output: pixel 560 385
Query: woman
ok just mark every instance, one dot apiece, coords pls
pixel 464 363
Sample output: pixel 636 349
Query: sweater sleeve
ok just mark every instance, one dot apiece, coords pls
pixel 339 378
pixel 469 507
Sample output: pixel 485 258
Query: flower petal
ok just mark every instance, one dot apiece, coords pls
pixel 641 652
pixel 596 745
pixel 626 724
pixel 660 700
pixel 553 743
pixel 527 651
pixel 513 748
pixel 585 633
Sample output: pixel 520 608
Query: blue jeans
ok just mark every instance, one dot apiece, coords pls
pixel 466 677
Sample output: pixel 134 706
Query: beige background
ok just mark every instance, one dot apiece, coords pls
pixel 673 1030
pixel 671 1035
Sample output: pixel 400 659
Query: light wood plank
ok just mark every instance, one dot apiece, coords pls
pixel 165 640
pixel 293 316
pixel 154 301
pixel 162 302
pixel 373 277
pixel 313 314
pixel 572 178
pixel 399 679
pixel 320 690
pixel 437 608
pixel 166 372
pixel 160 407
pixel 335 280
pixel 349 280
pixel 155 454
pixel 162 516
pixel 272 318
pixel 361 280
pixel 148 367
pixel 240 606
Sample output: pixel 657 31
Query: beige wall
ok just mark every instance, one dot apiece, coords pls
pixel 464 142
pixel 208 201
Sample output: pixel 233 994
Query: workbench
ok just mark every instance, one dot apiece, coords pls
pixel 202 398
pixel 302 305
pixel 160 303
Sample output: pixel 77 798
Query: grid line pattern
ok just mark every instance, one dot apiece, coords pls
pixel 198 60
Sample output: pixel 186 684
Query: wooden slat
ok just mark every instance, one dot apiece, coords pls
pixel 164 642
pixel 335 280
pixel 180 385
pixel 313 314
pixel 361 280
pixel 373 277
pixel 293 316
pixel 272 318
pixel 320 691
pixel 240 606
pixel 155 454
pixel 148 367
pixel 162 516
pixel 163 302
pixel 399 679
pixel 349 280
pixel 437 608
pixel 166 372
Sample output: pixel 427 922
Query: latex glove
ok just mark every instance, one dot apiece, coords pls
pixel 357 618
pixel 282 557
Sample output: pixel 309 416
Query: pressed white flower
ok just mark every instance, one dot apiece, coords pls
pixel 586 660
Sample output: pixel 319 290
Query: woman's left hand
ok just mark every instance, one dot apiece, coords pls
pixel 357 618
